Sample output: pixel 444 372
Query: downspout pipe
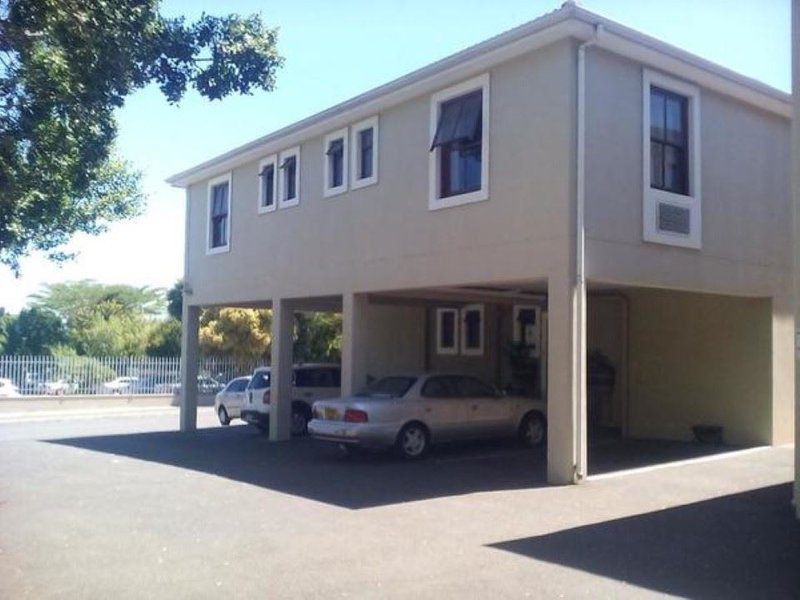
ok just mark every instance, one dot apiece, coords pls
pixel 580 425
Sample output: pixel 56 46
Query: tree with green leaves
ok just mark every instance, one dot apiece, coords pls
pixel 35 331
pixel 318 337
pixel 104 319
pixel 175 301
pixel 242 333
pixel 65 67
pixel 164 338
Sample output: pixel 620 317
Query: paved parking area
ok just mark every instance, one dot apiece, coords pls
pixel 126 510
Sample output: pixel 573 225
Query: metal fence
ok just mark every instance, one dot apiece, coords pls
pixel 84 375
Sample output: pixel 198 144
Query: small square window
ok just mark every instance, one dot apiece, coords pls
pixel 446 331
pixel 335 148
pixel 364 141
pixel 267 184
pixel 289 178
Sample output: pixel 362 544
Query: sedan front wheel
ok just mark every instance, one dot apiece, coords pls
pixel 224 419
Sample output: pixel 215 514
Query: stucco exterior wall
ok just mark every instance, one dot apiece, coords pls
pixel 699 359
pixel 395 340
pixel 384 236
pixel 746 237
pixel 606 333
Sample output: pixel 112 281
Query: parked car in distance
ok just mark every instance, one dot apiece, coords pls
pixel 311 382
pixel 120 385
pixel 59 387
pixel 410 413
pixel 8 389
pixel 228 402
pixel 205 385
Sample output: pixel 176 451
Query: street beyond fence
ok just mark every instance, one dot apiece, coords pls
pixel 109 375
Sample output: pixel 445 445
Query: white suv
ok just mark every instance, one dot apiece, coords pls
pixel 311 382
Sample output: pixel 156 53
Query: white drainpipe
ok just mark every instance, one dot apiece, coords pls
pixel 580 268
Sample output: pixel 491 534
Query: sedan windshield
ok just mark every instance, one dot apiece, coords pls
pixel 388 387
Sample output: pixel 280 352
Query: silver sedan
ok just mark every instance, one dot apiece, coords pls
pixel 412 412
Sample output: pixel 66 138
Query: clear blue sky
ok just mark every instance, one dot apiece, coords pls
pixel 335 50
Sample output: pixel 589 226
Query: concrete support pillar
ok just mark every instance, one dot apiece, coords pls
pixel 566 385
pixel 280 410
pixel 354 331
pixel 783 361
pixel 796 212
pixel 190 357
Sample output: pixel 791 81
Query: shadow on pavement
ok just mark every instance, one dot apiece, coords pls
pixel 319 471
pixel 744 545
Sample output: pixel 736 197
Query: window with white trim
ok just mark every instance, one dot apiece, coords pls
pixel 268 184
pixel 289 178
pixel 364 142
pixel 672 205
pixel 447 331
pixel 335 159
pixel 472 330
pixel 528 328
pixel 459 150
pixel 218 230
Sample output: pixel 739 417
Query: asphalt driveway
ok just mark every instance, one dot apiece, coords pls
pixel 121 513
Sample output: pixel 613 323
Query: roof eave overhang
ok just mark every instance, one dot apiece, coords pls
pixel 570 21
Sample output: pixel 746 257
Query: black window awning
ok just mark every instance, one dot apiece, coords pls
pixel 335 147
pixel 460 120
pixel 289 162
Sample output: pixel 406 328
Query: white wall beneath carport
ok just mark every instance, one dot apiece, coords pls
pixel 395 339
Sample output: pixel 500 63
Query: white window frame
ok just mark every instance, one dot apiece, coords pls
pixel 440 349
pixel 355 163
pixel 327 190
pixel 436 202
pixel 517 332
pixel 212 183
pixel 282 202
pixel 481 332
pixel 276 175
pixel 653 197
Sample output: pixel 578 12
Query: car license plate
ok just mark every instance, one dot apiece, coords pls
pixel 331 414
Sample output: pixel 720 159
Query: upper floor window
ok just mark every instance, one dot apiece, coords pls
pixel 669 141
pixel 335 170
pixel 219 222
pixel 289 182
pixel 459 156
pixel 365 153
pixel 672 204
pixel 268 184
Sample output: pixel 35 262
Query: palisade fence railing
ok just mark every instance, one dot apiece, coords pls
pixel 126 375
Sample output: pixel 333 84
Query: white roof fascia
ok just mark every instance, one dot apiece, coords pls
pixel 569 21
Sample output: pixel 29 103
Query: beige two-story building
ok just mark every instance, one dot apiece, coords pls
pixel 571 209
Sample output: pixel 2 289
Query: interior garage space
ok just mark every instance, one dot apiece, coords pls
pixel 670 374
pixel 675 366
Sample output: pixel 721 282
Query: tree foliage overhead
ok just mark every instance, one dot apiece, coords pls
pixel 65 67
